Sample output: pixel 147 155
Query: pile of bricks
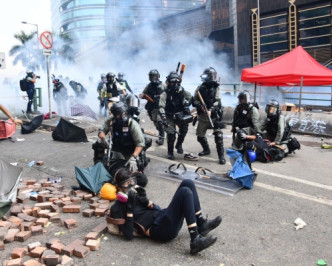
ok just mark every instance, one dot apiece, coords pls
pixel 25 220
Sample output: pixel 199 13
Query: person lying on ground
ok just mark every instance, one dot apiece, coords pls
pixel 132 211
pixel 6 112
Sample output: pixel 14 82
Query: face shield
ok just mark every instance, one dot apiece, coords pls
pixel 128 184
pixel 174 84
pixel 154 78
pixel 205 77
pixel 120 77
pixel 271 110
pixel 132 101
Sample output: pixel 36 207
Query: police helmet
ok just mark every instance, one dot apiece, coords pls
pixel 102 76
pixel 209 74
pixel 173 77
pixel 154 75
pixel 132 101
pixel 242 97
pixel 110 77
pixel 120 76
pixel 118 108
pixel 272 108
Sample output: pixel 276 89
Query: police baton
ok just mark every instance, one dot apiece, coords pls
pixel 205 108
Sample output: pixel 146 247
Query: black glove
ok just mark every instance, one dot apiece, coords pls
pixel 141 195
pixel 164 119
pixel 131 203
pixel 140 165
pixel 186 110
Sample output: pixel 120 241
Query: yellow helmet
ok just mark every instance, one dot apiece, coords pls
pixel 108 192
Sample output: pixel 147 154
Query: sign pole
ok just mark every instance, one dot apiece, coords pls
pixel 48 85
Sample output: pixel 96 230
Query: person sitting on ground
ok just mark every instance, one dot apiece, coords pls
pixel 132 211
pixel 7 113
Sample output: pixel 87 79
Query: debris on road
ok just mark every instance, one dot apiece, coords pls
pixel 299 223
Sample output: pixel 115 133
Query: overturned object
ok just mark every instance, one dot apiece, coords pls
pixel 32 125
pixel 7 129
pixel 68 132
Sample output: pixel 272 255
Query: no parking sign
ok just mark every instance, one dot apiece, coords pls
pixel 46 39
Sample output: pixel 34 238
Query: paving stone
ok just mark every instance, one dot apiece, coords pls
pixel 18 252
pixel 81 251
pixel 37 252
pixel 70 223
pixel 93 244
pixel 23 236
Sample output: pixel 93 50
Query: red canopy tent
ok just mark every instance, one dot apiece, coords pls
pixel 295 68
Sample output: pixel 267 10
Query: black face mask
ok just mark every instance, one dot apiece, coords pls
pixel 121 121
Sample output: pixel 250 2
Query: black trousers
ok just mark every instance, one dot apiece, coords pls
pixel 184 205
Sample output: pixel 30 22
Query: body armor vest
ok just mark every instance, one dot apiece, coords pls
pixel 174 102
pixel 112 88
pixel 122 139
pixel 272 126
pixel 242 116
pixel 154 91
pixel 208 94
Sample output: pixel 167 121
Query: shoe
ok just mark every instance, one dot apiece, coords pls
pixel 204 152
pixel 160 141
pixel 179 149
pixel 222 160
pixel 201 242
pixel 170 156
pixel 209 225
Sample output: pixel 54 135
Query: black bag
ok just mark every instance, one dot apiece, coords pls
pixel 276 153
pixel 293 145
pixel 23 84
pixel 183 118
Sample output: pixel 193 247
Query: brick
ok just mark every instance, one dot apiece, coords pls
pixel 44 192
pixel 52 241
pixel 81 251
pixel 42 221
pixel 35 211
pixel 50 258
pixel 70 223
pixel 67 203
pixel 31 181
pixel 57 247
pixel 65 199
pixel 100 212
pixel 36 230
pixel 71 209
pixel 15 220
pixel 41 198
pixel 26 226
pixel 33 245
pixel 92 235
pixel 58 202
pixel 80 192
pixel 22 198
pixel 23 236
pixel 69 249
pixel 15 210
pixel 58 186
pixel 27 218
pixel 54 208
pixel 18 253
pixel 10 236
pixel 27 210
pixel 93 244
pixel 94 205
pixel 53 199
pixel 67 261
pixel 87 196
pixel 76 199
pixel 14 262
pixel 104 206
pixel 32 263
pixel 88 212
pixel 3 232
pixel 103 201
pixel 5 224
pixel 102 228
pixel 94 200
pixel 53 216
pixel 39 163
pixel 43 213
pixel 48 196
pixel 46 184
pixel 2 245
pixel 37 252
pixel 44 205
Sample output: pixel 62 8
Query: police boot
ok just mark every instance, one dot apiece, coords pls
pixel 206 149
pixel 170 146
pixel 179 142
pixel 160 140
pixel 218 138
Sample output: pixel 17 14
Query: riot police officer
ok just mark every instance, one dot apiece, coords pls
pixel 173 107
pixel 152 93
pixel 245 121
pixel 103 103
pixel 111 89
pixel 210 92
pixel 124 84
pixel 127 137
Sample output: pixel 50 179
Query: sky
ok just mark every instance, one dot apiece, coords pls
pixel 13 12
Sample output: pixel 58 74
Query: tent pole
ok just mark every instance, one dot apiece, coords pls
pixel 255 92
pixel 300 98
pixel 260 95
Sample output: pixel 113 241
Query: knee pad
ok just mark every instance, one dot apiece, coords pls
pixel 218 137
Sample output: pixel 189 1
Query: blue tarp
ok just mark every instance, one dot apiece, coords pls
pixel 240 170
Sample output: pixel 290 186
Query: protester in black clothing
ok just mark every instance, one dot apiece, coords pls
pixel 133 211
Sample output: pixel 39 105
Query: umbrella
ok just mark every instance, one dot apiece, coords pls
pixel 92 178
pixel 32 125
pixel 7 129
pixel 83 110
pixel 68 132
pixel 240 170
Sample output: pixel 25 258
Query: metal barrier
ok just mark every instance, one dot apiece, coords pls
pixel 37 99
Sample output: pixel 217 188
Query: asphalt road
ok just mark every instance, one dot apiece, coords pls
pixel 258 224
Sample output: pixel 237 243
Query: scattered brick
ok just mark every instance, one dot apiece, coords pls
pixel 88 212
pixel 94 199
pixel 87 196
pixel 57 247
pixel 3 232
pixel 54 208
pixel 37 230
pixel 10 236
pixel 72 208
pixel 44 205
pixel 93 244
pixel 13 262
pixel 102 228
pixel 27 210
pixel 23 236
pixel 18 253
pixel 103 201
pixel 58 203
pixel 22 198
pixel 35 211
pixel 59 187
pixel 15 210
pixel 26 226
pixel 33 245
pixel 94 205
pixel 31 181
pixel 67 261
pixel 65 199
pixel 69 249
pixel 41 198
pixel 5 224
pixel 42 221
pixel 52 241
pixel 53 216
pixel 46 184
pixel 75 199
pixel 37 252
pixel 27 218
pixel 2 245
pixel 15 220
pixel 81 251
pixel 92 235
pixel 70 223
pixel 32 262
pixel 80 192
pixel 100 212
pixel 50 258
pixel 104 206
pixel 39 163
pixel 43 213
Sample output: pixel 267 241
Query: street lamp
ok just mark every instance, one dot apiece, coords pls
pixel 24 22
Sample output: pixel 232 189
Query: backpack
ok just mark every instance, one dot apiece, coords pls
pixel 23 84
pixel 293 144
pixel 276 153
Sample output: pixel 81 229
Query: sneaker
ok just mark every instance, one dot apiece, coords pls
pixel 201 242
pixel 209 225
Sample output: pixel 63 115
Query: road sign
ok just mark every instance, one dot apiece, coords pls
pixel 47 52
pixel 2 61
pixel 46 39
